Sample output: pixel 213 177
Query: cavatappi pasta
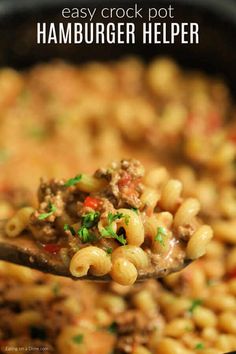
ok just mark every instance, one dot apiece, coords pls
pixel 114 223
pixel 57 119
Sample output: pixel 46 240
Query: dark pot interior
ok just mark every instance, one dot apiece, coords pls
pixel 214 54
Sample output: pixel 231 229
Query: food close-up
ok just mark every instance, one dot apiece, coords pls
pixel 122 211
pixel 117 207
pixel 113 224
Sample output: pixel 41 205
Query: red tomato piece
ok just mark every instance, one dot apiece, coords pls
pixel 52 248
pixel 214 122
pixel 3 342
pixel 210 124
pixel 6 189
pixel 149 211
pixel 92 202
pixel 232 137
pixel 191 123
pixel 232 273
pixel 124 181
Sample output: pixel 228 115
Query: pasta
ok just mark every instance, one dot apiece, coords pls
pixel 123 271
pixel 58 119
pixel 113 210
pixel 170 197
pixel 18 222
pixel 92 258
pixel 126 261
pixel 150 197
pixel 134 229
pixel 186 212
pixel 198 242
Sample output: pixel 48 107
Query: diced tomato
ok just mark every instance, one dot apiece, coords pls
pixel 232 137
pixel 3 343
pixel 191 121
pixel 232 273
pixel 194 124
pixel 213 122
pixel 210 124
pixel 136 182
pixel 124 181
pixel 149 211
pixel 52 248
pixel 92 202
pixel 6 189
pixel 132 186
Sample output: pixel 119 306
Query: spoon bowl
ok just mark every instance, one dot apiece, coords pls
pixel 25 251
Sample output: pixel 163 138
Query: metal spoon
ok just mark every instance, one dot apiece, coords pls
pixel 25 251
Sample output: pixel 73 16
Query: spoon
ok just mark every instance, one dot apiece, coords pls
pixel 23 250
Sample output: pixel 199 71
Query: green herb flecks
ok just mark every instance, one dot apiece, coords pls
pixel 67 227
pixel 194 305
pixel 56 289
pixel 109 250
pixel 51 209
pixel 108 232
pixel 211 282
pixel 91 219
pixel 112 328
pixel 85 235
pixel 113 217
pixel 160 235
pixel 135 210
pixel 199 346
pixel 188 328
pixel 38 133
pixel 4 155
pixel 88 221
pixel 24 95
pixel 73 181
pixel 78 339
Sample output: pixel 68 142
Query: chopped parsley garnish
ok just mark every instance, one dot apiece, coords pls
pixel 4 155
pixel 25 94
pixel 199 346
pixel 109 250
pixel 69 228
pixel 195 304
pixel 73 181
pixel 113 217
pixel 51 209
pixel 56 289
pixel 108 231
pixel 89 220
pixel 121 239
pixel 135 210
pixel 188 329
pixel 161 232
pixel 211 282
pixel 78 339
pixel 112 328
pixel 37 133
pixel 126 218
pixel 85 235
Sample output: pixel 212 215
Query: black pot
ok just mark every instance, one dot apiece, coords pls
pixel 215 53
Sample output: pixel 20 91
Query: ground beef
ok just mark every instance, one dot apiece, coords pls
pixel 124 186
pixel 123 190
